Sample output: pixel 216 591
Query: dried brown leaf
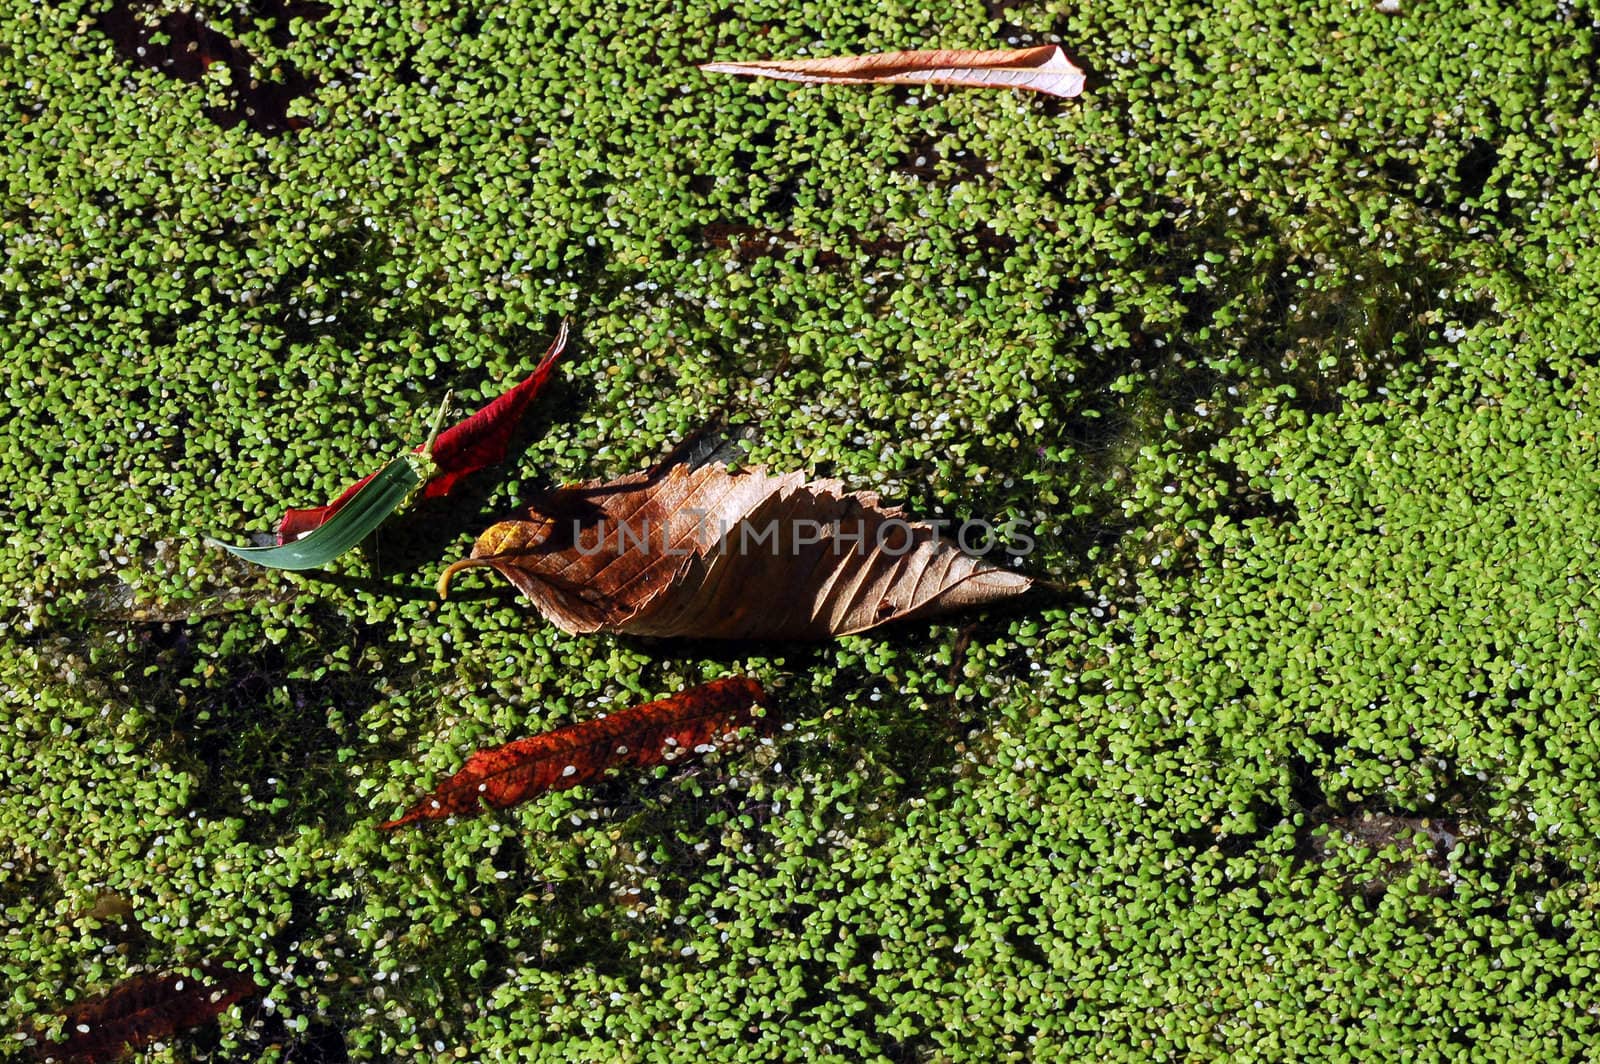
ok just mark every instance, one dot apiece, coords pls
pixel 708 553
pixel 1043 69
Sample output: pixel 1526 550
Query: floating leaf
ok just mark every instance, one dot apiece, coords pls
pixel 1043 69
pixel 369 507
pixel 708 553
pixel 145 1009
pixel 481 440
pixel 581 753
pixel 308 539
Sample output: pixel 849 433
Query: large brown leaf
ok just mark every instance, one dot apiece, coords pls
pixel 1043 69
pixel 704 552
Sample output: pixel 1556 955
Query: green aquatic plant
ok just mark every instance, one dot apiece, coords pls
pixel 1280 341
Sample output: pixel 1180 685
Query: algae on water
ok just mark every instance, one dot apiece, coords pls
pixel 1281 339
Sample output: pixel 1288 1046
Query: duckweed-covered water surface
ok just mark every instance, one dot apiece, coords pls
pixel 1281 340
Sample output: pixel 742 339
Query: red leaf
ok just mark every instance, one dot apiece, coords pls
pixel 145 1009
pixel 581 753
pixel 479 441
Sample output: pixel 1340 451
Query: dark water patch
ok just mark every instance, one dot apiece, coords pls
pixel 181 45
pixel 1475 167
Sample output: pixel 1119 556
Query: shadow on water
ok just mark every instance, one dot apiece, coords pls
pixel 1222 307
pixel 265 726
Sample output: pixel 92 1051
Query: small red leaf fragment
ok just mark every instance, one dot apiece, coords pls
pixel 581 753
pixel 145 1009
pixel 479 441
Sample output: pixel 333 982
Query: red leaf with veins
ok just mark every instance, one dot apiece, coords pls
pixel 581 753
pixel 481 440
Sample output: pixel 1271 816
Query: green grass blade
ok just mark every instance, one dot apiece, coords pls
pixel 366 510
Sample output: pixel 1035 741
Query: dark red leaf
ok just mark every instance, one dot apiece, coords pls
pixel 481 440
pixel 145 1009
pixel 581 753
